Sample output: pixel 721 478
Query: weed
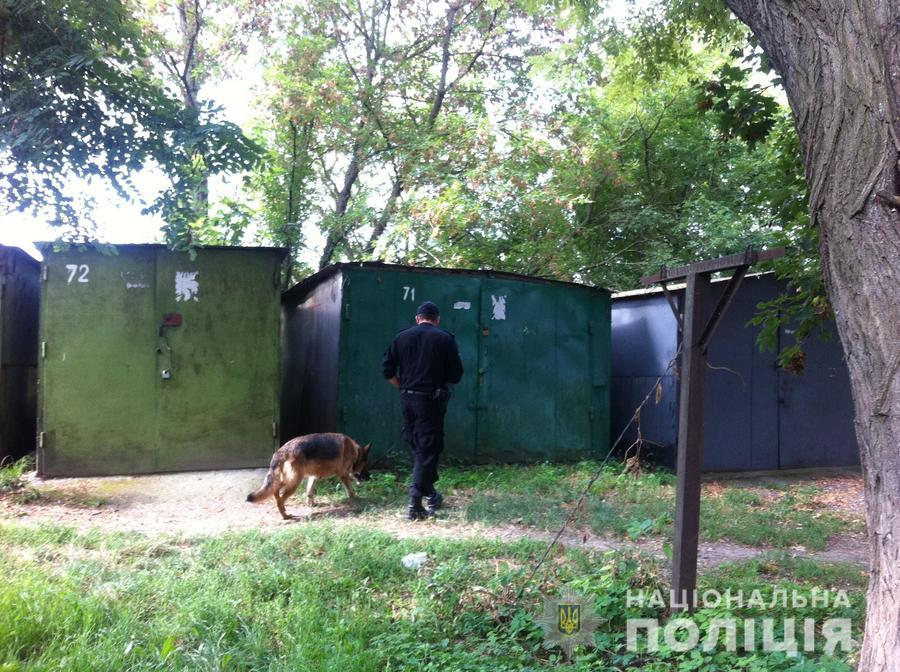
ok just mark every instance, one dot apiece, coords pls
pixel 11 473
pixel 637 506
pixel 318 597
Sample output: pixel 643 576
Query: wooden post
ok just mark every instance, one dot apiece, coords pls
pixel 698 323
pixel 690 442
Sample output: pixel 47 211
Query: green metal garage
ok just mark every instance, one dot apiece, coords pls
pixel 153 360
pixel 535 353
pixel 19 300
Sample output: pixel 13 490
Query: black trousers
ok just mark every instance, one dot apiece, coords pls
pixel 424 427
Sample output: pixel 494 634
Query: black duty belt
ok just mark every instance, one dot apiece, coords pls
pixel 434 394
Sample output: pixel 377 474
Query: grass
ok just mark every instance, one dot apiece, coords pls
pixel 780 567
pixel 321 597
pixel 82 498
pixel 781 515
pixel 11 474
pixel 620 504
pixel 13 484
pixel 790 518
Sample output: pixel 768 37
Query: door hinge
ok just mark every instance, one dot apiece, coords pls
pixel 590 413
pixel 44 272
pixel 43 349
pixel 40 439
pixel 274 429
pixel 590 327
pixel 346 311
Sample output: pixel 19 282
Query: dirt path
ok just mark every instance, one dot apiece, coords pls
pixel 209 503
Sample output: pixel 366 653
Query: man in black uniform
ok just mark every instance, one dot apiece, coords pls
pixel 421 361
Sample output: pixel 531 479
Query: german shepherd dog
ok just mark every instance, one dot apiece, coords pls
pixel 317 456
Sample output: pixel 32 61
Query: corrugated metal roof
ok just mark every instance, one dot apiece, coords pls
pixel 47 246
pixel 304 286
pixel 12 251
pixel 653 290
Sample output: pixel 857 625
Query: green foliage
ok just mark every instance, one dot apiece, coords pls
pixel 11 473
pixel 78 99
pixel 14 485
pixel 197 148
pixel 782 520
pixel 318 597
pixel 546 139
pixel 743 110
pixel 619 173
pixel 377 103
pixel 621 504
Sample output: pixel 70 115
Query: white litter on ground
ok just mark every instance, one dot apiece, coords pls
pixel 414 560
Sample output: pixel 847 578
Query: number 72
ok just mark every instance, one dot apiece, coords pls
pixel 75 269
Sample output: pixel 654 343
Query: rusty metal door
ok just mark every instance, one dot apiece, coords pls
pixel 535 373
pixel 815 409
pixel 369 407
pixel 218 370
pixel 97 379
pixel 535 354
pixel 156 361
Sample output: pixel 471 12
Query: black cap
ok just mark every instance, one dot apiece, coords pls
pixel 428 309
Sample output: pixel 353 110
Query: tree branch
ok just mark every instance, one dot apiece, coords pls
pixel 452 9
pixel 479 52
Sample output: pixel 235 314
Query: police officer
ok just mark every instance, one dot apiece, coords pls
pixel 421 361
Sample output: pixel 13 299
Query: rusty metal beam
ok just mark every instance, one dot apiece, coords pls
pixel 690 440
pixel 672 305
pixel 724 301
pixel 746 258
pixel 697 328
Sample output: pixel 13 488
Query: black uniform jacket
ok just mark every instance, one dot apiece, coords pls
pixel 424 358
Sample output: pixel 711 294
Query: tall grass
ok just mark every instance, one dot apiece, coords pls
pixel 317 597
pixel 11 472
pixel 632 506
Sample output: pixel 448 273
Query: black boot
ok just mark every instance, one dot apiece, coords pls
pixel 434 502
pixel 416 510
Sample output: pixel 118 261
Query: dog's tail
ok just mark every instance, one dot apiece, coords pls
pixel 271 483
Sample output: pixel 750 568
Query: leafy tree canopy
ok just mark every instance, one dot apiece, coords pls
pixel 79 98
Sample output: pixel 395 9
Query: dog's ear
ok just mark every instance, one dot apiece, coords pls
pixel 365 448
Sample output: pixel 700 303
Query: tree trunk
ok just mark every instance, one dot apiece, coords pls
pixel 191 22
pixel 840 62
pixel 382 221
pixel 337 234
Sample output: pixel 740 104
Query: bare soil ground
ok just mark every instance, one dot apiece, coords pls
pixel 210 503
